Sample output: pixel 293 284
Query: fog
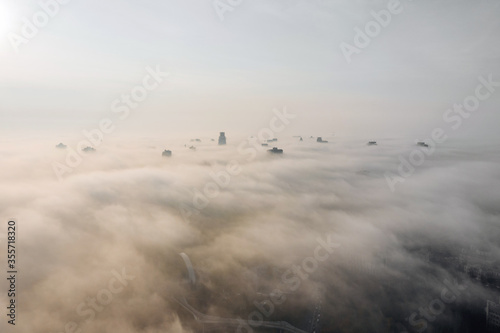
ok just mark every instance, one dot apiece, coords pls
pixel 127 210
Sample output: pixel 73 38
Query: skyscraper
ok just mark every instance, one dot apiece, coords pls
pixel 222 138
pixel 493 315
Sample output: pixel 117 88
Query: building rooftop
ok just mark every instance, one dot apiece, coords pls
pixel 275 150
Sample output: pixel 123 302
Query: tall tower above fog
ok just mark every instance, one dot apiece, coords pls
pixel 222 138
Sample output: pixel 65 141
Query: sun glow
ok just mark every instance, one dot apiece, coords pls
pixel 5 20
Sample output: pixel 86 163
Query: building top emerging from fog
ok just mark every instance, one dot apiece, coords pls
pixel 275 150
pixel 493 315
pixel 222 138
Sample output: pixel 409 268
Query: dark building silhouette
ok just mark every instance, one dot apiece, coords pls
pixel 275 150
pixel 319 139
pixel 222 138
pixel 166 153
pixel 88 149
pixel 372 143
pixel 422 144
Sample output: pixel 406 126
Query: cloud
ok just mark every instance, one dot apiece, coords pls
pixel 120 211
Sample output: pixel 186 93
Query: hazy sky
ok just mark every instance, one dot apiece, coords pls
pixel 229 74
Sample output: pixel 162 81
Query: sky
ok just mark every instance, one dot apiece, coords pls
pixel 229 74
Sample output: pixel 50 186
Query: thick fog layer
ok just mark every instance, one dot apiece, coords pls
pixel 323 223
